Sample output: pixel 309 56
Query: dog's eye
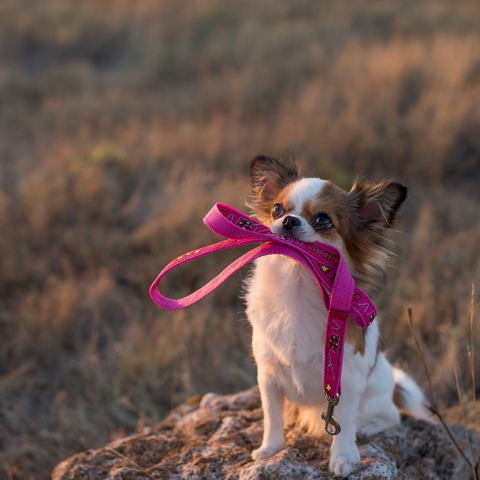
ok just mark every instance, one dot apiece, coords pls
pixel 322 220
pixel 277 210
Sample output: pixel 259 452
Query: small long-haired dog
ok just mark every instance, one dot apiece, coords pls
pixel 288 316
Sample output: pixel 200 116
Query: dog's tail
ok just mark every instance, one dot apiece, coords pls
pixel 408 397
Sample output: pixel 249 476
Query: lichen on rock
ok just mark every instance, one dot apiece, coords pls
pixel 213 439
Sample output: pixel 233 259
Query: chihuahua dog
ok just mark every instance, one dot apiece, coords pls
pixel 289 318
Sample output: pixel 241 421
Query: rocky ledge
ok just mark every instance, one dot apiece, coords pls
pixel 212 438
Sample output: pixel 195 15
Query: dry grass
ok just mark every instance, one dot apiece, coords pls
pixel 121 123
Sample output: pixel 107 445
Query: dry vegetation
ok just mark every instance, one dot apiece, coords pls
pixel 122 123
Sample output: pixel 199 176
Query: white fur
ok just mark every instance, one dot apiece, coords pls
pixel 288 316
pixel 305 189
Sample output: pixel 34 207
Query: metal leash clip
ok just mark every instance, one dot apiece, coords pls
pixel 329 418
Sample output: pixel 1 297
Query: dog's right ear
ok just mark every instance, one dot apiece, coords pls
pixel 270 176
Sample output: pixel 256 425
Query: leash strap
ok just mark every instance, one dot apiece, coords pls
pixel 324 261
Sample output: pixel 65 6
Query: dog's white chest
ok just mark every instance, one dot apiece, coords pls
pixel 286 309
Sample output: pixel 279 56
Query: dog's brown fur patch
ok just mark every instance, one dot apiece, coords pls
pixel 399 397
pixel 361 218
pixel 379 348
pixel 333 201
pixel 284 200
pixel 355 336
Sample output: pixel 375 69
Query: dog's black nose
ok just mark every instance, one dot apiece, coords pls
pixel 290 222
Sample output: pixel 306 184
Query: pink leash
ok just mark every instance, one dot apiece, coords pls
pixel 325 263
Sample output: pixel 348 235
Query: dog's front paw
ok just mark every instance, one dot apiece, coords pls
pixel 266 452
pixel 344 461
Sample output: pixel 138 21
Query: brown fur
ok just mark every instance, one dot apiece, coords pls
pixel 333 201
pixel 355 336
pixel 270 177
pixel 284 199
pixel 367 243
pixel 379 348
pixel 360 218
pixel 399 397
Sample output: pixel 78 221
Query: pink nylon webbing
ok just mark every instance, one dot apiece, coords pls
pixel 324 261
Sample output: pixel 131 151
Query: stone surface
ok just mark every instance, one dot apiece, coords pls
pixel 213 439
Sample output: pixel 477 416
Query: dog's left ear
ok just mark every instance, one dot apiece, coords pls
pixel 378 202
pixel 270 175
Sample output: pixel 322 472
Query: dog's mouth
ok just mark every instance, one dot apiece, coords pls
pixel 295 233
pixel 302 233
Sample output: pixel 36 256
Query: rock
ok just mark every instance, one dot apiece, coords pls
pixel 213 439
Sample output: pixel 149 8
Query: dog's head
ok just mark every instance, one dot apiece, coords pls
pixel 315 210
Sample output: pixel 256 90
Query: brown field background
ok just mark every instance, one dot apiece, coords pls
pixel 122 123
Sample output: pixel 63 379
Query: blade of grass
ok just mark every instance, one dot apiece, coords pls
pixel 422 358
pixel 434 409
pixel 472 368
pixel 460 399
pixel 472 365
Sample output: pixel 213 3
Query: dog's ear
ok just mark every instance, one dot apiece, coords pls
pixel 374 207
pixel 270 176
pixel 377 203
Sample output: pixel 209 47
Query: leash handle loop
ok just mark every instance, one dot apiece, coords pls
pixel 260 251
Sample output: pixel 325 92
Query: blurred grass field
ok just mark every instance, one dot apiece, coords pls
pixel 122 123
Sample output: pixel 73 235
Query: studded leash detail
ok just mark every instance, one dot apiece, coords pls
pixel 325 263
